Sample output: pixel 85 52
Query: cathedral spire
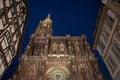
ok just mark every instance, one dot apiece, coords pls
pixel 49 16
pixel 45 26
pixel 47 22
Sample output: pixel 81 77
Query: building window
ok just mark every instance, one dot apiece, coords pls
pixel 12 11
pixel 8 57
pixel 4 44
pixel 17 34
pixel 0 55
pixel 4 20
pixel 8 37
pixel 22 19
pixel 20 22
pixel 109 22
pixel 118 34
pixel 105 35
pixel 21 6
pixel 102 46
pixel 2 68
pixel 11 2
pixel 7 3
pixel 1 12
pixel 15 27
pixel 12 50
pixel 1 4
pixel 111 63
pixel 115 48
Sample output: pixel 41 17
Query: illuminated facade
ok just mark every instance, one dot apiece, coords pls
pixel 50 57
pixel 13 14
pixel 107 36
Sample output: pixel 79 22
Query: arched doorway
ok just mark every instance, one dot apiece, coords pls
pixel 57 73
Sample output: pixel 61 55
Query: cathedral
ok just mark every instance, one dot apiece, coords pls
pixel 50 57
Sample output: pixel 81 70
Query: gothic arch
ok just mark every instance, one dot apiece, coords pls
pixel 61 47
pixel 54 47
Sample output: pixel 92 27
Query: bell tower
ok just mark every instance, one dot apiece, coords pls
pixel 39 41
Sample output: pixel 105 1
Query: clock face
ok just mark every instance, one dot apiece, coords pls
pixel 58 73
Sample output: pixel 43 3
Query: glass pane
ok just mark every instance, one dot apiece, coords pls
pixel 116 49
pixel 112 64
pixel 4 20
pixel 109 22
pixel 8 37
pixel 118 35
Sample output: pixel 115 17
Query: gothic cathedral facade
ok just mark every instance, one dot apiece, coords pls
pixel 50 57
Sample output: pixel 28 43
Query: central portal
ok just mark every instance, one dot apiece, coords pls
pixel 58 73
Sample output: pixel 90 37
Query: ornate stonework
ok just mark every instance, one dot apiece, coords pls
pixel 50 57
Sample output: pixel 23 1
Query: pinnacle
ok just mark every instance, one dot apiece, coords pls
pixel 49 16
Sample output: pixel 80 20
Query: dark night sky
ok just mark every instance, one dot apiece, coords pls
pixel 74 17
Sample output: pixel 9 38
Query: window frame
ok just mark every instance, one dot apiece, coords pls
pixel 105 34
pixel 115 50
pixel 11 2
pixel 12 10
pixel 12 50
pixel 10 58
pixel 4 21
pixel 109 21
pixel 1 11
pixel 118 34
pixel 110 60
pixel 8 37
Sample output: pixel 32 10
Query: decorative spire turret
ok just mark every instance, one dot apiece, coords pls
pixel 47 22
pixel 45 27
